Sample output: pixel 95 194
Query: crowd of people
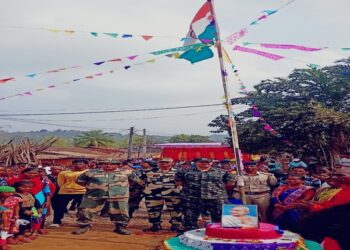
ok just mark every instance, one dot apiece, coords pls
pixel 311 200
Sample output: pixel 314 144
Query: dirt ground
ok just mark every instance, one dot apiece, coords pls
pixel 101 237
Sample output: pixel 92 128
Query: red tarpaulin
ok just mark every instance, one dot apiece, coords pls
pixel 189 153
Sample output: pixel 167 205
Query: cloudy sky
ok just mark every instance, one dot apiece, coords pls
pixel 26 47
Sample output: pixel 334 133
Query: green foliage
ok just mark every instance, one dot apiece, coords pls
pixel 309 108
pixel 93 138
pixel 189 138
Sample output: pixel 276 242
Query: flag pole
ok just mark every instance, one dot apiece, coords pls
pixel 228 103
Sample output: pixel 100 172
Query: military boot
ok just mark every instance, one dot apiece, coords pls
pixel 120 229
pixel 81 229
pixel 154 228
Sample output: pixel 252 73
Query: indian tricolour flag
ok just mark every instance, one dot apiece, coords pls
pixel 202 30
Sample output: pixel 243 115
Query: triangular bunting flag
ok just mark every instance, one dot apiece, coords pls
pixel 127 67
pixel 99 74
pixel 114 35
pixel 89 77
pixel 126 36
pixel 270 12
pixel 131 57
pixel 345 49
pixel 75 80
pixel 151 61
pixel 69 32
pixel 99 63
pixel 94 33
pixel 115 60
pixel 27 93
pixel 254 22
pixel 313 66
pixel 6 79
pixel 31 75
pixel 54 30
pixel 246 43
pixel 51 86
pixel 147 37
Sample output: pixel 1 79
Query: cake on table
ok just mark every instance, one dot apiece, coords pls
pixel 266 237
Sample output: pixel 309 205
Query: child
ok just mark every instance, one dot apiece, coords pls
pixel 10 214
pixel 29 210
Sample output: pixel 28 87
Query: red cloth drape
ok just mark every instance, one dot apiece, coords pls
pixel 186 154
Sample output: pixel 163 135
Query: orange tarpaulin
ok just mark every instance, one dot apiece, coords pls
pixel 189 153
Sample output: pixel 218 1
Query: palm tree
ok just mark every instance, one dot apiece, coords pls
pixel 93 138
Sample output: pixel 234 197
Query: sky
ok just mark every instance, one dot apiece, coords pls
pixel 26 47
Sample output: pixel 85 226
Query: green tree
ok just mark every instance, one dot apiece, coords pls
pixel 93 138
pixel 309 108
pixel 189 138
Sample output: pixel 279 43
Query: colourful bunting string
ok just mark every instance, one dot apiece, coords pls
pixel 88 77
pixel 156 53
pixel 258 52
pixel 231 39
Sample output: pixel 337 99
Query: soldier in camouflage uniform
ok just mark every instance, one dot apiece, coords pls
pixel 106 184
pixel 137 187
pixel 161 188
pixel 203 188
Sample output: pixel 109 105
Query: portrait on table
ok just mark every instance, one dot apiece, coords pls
pixel 240 216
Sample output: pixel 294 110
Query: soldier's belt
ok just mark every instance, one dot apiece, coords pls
pixel 254 193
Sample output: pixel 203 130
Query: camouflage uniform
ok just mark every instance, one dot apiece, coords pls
pixel 161 189
pixel 136 191
pixel 203 191
pixel 102 187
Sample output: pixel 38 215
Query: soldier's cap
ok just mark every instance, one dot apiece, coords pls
pixel 80 161
pixel 249 163
pixel 203 160
pixel 166 160
pixel 225 161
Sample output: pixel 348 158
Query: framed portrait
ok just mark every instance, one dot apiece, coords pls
pixel 240 216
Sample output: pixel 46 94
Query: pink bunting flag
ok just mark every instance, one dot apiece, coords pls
pixel 89 77
pixel 51 86
pixel 28 93
pixel 235 36
pixel 258 52
pixel 288 46
pixel 6 79
pixel 131 57
pixel 262 17
pixel 147 37
pixel 99 74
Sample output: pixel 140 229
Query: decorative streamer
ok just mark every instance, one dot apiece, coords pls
pixel 258 52
pixel 254 109
pixel 288 46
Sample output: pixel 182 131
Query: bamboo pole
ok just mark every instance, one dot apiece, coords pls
pixel 231 119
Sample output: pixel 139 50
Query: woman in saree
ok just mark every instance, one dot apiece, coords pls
pixel 285 214
pixel 329 213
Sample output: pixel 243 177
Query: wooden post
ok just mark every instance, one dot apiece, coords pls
pixel 131 135
pixel 144 144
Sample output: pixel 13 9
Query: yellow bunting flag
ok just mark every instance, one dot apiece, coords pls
pixel 54 30
pixel 151 61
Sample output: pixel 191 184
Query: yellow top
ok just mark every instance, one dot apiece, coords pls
pixel 66 182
